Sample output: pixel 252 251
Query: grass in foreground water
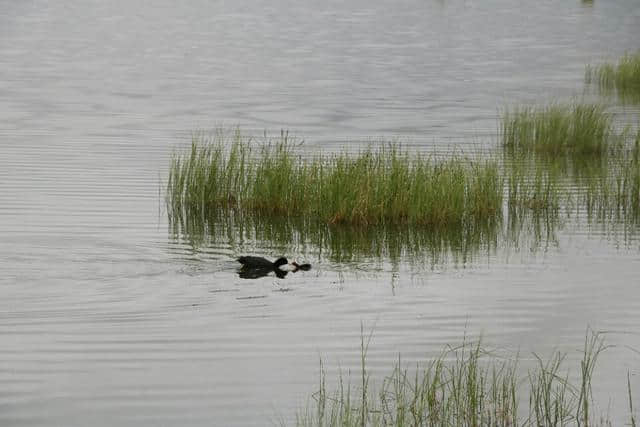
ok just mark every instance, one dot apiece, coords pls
pixel 465 386
pixel 377 186
pixel 623 77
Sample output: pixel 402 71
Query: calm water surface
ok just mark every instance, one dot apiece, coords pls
pixel 109 318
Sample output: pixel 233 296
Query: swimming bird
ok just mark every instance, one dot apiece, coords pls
pixel 254 267
pixel 260 262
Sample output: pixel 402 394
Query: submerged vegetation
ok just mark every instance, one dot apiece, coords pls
pixel 465 386
pixel 622 77
pixel 385 186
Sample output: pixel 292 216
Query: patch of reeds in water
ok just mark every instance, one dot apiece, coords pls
pixel 378 186
pixel 622 77
pixel 465 386
pixel 570 157
pixel 577 130
pixel 383 204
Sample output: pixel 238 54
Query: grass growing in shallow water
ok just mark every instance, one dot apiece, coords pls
pixel 576 130
pixel 385 204
pixel 615 195
pixel 381 186
pixel 465 386
pixel 623 77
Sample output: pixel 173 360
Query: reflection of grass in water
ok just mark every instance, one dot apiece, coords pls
pixel 623 77
pixel 578 130
pixel 465 386
pixel 604 188
pixel 533 186
pixel 340 243
pixel 615 196
pixel 381 186
pixel 535 228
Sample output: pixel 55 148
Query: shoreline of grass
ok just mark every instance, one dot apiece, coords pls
pixel 377 186
pixel 465 386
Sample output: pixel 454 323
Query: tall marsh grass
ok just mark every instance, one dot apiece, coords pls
pixel 574 129
pixel 385 203
pixel 622 77
pixel 378 186
pixel 464 386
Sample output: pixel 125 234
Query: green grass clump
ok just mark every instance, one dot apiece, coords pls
pixel 623 77
pixel 377 186
pixel 464 386
pixel 575 130
pixel 208 176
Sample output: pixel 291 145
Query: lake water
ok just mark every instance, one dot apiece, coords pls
pixel 107 317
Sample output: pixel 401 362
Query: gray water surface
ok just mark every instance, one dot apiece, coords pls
pixel 108 318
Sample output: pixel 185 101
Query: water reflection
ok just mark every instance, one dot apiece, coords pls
pixel 538 231
pixel 545 194
pixel 258 272
pixel 396 244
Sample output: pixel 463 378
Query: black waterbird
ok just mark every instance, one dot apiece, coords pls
pixel 254 267
pixel 260 262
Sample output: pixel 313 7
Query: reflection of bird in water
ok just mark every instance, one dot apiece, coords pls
pixel 254 267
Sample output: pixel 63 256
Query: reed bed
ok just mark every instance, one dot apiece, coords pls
pixel 375 187
pixel 386 204
pixel 464 386
pixel 622 77
pixel 579 130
